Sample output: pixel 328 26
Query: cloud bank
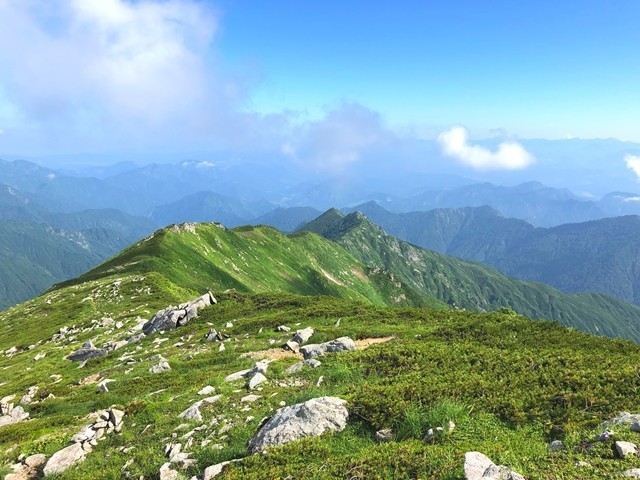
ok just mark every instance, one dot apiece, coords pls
pixel 339 139
pixel 633 163
pixel 510 155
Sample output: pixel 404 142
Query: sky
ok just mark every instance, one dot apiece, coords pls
pixel 318 82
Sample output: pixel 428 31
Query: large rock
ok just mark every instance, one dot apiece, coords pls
pixel 303 335
pixel 87 351
pixel 477 466
pixel 338 345
pixel 15 415
pixel 626 449
pixel 173 317
pixel 309 419
pixel 65 458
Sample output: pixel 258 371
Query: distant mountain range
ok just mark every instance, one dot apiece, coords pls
pixel 597 256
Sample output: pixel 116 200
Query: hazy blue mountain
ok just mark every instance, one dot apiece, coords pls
pixel 531 201
pixel 209 207
pixel 287 219
pixel 620 203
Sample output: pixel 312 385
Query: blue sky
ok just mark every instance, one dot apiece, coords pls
pixel 324 80
pixel 539 69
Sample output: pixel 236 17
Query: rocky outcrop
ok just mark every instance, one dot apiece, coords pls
pixel 478 466
pixel 28 468
pixel 10 414
pixel 174 317
pixel 338 345
pixel 309 419
pixel 626 449
pixel 296 367
pixel 107 421
pixel 88 350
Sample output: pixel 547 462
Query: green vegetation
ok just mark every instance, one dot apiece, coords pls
pixel 474 286
pixel 510 385
pixel 257 259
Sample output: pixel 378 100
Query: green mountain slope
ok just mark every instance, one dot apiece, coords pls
pixel 597 256
pixel 256 259
pixel 474 286
pixel 510 386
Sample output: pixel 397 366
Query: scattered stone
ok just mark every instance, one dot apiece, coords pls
pixel 14 415
pixel 215 470
pixel 385 435
pixel 478 466
pixel 39 356
pixel 250 398
pixel 625 449
pixel 87 351
pixel 303 336
pixel 27 398
pixel 135 338
pixel 103 384
pixel 208 390
pixel 632 473
pixel 635 427
pixel 161 366
pixel 320 380
pixel 115 345
pixel 229 325
pixel 174 317
pixel 624 418
pixel 338 345
pixel 221 348
pixel 65 458
pixel 283 328
pixel 28 468
pixel 256 380
pixel 309 419
pixel 167 473
pixel 555 446
pixel 293 346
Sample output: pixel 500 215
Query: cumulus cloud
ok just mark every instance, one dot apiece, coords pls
pixel 509 155
pixel 112 68
pixel 338 139
pixel 633 163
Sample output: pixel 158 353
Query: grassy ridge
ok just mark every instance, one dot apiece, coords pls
pixel 474 286
pixel 254 259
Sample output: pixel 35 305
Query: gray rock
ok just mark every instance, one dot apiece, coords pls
pixel 173 317
pixel 237 376
pixel 215 470
pixel 635 427
pixel 624 418
pixel 293 346
pixel 135 338
pixel 338 345
pixel 631 473
pixel 625 449
pixel 115 417
pixel 385 435
pixel 256 380
pixel 309 419
pixel 87 351
pixel 167 473
pixel 161 366
pixel 65 458
pixel 193 412
pixel 208 390
pixel 500 472
pixel 555 446
pixel 16 415
pixel 115 345
pixel 295 368
pixel 283 328
pixel 475 464
pixel 303 336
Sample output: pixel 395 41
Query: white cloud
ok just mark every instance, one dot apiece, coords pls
pixel 633 162
pixel 116 70
pixel 343 136
pixel 205 164
pixel 510 155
